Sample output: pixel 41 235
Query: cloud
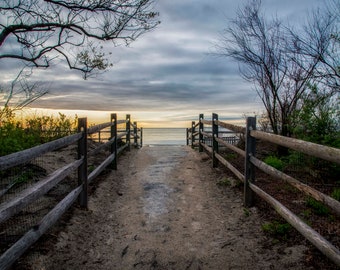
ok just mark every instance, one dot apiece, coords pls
pixel 168 71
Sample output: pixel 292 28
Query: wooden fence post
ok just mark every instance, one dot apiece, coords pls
pixel 135 134
pixel 82 169
pixel 249 174
pixel 192 134
pixel 141 137
pixel 201 127
pixel 114 137
pixel 187 136
pixel 214 141
pixel 128 131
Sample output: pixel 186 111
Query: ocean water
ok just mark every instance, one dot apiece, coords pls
pixel 164 136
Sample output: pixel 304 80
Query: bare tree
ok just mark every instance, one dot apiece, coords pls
pixel 38 31
pixel 19 93
pixel 263 50
pixel 320 42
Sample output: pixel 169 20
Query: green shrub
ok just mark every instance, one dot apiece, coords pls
pixel 91 168
pixel 306 213
pixel 18 135
pixel 317 120
pixel 246 212
pixel 230 156
pixel 317 207
pixel 295 159
pixel 274 162
pixel 225 182
pixel 336 194
pixel 277 229
pixel 49 128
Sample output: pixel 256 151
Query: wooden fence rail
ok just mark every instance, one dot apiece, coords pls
pixel 248 177
pixel 21 200
pixel 24 156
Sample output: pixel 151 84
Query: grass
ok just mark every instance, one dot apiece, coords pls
pixel 225 182
pixel 230 156
pixel 336 194
pixel 277 229
pixel 317 207
pixel 289 188
pixel 91 168
pixel 246 212
pixel 275 162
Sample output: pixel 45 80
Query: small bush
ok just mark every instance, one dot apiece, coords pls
pixel 317 207
pixel 295 159
pixel 277 229
pixel 274 162
pixel 91 168
pixel 246 212
pixel 225 182
pixel 306 213
pixel 18 135
pixel 336 194
pixel 230 156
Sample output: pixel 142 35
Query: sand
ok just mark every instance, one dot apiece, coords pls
pixel 163 209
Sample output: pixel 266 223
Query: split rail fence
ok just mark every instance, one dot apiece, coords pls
pixel 197 136
pixel 118 141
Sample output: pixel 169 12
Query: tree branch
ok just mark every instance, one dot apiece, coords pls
pixel 43 28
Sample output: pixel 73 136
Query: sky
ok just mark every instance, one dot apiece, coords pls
pixel 168 76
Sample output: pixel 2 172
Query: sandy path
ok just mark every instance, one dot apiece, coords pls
pixel 163 210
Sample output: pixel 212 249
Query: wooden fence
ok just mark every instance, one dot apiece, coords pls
pixel 12 207
pixel 197 135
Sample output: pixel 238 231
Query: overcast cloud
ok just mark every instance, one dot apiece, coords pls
pixel 169 73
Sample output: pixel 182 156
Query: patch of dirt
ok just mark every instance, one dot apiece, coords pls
pixel 165 208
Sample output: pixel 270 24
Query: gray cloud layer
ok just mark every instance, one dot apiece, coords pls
pixel 169 69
